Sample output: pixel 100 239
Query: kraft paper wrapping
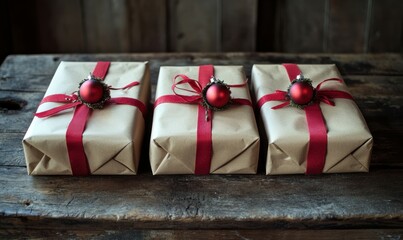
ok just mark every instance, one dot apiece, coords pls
pixel 113 135
pixel 235 137
pixel 349 140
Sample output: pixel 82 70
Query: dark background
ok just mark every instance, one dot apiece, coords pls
pixel 112 26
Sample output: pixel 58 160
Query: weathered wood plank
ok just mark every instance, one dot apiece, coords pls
pixel 301 25
pixel 16 69
pixel 147 25
pixel 20 116
pixel 374 86
pixel 178 25
pixel 239 20
pixel 106 26
pixel 35 71
pixel 347 26
pixel 364 234
pixel 59 26
pixel 386 29
pixel 11 151
pixel 362 201
pixel 194 25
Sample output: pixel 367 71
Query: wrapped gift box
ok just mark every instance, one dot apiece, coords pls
pixel 174 138
pixel 112 137
pixel 349 142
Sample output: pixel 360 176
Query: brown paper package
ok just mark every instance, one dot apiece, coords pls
pixel 349 140
pixel 113 135
pixel 235 136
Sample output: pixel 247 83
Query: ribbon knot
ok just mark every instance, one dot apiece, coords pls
pixel 199 92
pixel 324 96
pixel 72 101
pixel 196 88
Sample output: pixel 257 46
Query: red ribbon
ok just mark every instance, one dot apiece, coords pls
pixel 316 154
pixel 74 133
pixel 204 116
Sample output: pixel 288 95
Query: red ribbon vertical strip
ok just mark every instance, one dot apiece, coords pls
pixel 317 130
pixel 101 69
pixel 317 139
pixel 204 127
pixel 74 140
pixel 74 133
pixel 292 70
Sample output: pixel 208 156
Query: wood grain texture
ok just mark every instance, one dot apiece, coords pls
pixel 60 26
pixel 386 27
pixel 359 234
pixel 106 27
pixel 337 201
pixel 194 25
pixel 301 25
pixel 238 29
pixel 12 154
pixel 348 64
pixel 45 26
pixel 347 26
pixel 147 25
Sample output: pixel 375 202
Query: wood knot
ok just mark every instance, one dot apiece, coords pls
pixel 27 202
pixel 11 103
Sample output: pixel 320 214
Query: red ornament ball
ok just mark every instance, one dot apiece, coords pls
pixel 301 93
pixel 218 95
pixel 91 91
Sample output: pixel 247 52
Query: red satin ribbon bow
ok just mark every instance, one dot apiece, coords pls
pixel 75 148
pixel 204 124
pixel 316 154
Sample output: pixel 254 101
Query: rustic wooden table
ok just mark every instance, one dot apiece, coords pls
pixel 366 205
